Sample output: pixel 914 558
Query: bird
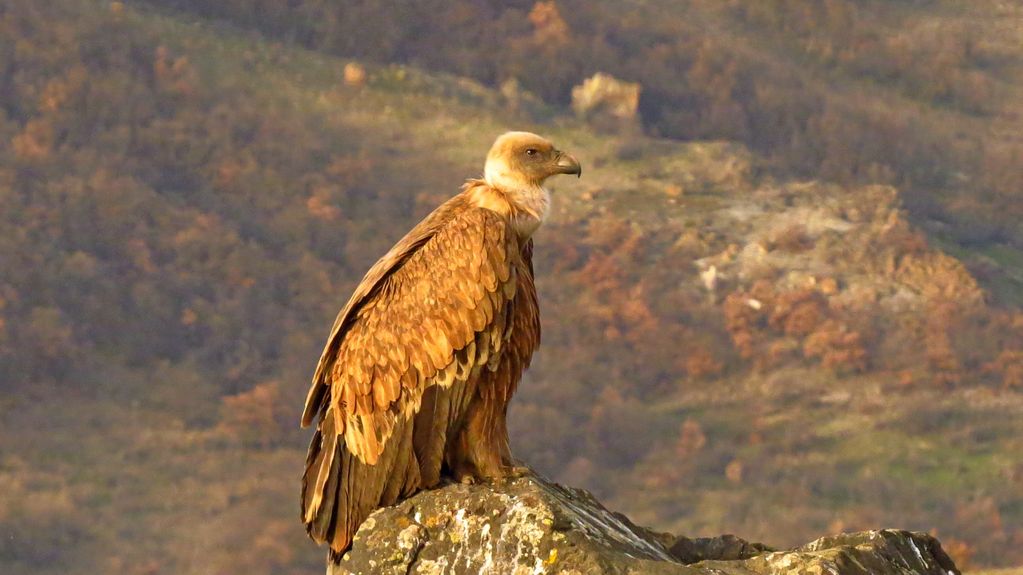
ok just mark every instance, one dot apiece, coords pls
pixel 414 381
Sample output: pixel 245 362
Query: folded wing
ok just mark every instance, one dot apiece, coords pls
pixel 400 366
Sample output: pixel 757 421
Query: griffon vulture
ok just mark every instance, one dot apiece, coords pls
pixel 415 378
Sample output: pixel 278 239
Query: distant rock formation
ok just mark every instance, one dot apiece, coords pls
pixel 607 102
pixel 532 526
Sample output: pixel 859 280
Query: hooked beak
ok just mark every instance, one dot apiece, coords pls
pixel 567 164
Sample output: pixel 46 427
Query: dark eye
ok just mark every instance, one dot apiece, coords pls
pixel 531 152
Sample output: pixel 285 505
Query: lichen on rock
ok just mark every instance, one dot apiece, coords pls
pixel 531 526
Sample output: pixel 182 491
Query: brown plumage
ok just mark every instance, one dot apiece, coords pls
pixel 415 378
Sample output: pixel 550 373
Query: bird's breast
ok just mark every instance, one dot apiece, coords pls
pixel 525 208
pixel 525 224
pixel 530 209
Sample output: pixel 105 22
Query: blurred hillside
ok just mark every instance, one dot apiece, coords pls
pixel 746 329
pixel 922 94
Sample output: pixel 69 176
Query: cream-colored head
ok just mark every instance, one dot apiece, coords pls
pixel 521 161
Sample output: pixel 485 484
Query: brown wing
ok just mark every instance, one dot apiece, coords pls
pixel 391 261
pixel 430 320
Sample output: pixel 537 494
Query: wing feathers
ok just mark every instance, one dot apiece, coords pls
pixel 391 262
pixel 398 475
pixel 324 516
pixel 401 365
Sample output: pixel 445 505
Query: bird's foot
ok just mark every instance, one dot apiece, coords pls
pixel 516 471
pixel 513 468
pixel 467 479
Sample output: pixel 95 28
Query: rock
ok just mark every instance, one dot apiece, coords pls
pixel 607 102
pixel 530 526
pixel 721 548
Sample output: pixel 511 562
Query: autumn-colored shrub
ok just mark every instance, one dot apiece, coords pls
pixel 945 366
pixel 1009 367
pixel 691 439
pixel 836 346
pixel 959 551
pixel 743 320
pixel 701 363
pixel 798 312
pixel 771 327
pixel 549 27
pixel 253 416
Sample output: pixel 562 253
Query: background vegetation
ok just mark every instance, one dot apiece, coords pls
pixel 746 328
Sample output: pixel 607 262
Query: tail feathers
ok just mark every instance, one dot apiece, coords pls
pixel 339 491
pixel 319 484
pixel 403 479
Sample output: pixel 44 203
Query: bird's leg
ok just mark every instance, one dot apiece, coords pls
pixel 480 449
pixel 510 467
pixel 459 466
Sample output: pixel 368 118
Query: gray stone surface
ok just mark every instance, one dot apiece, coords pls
pixel 530 526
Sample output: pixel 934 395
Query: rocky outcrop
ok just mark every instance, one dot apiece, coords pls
pixel 607 102
pixel 532 526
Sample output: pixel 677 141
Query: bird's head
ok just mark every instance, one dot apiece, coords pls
pixel 522 161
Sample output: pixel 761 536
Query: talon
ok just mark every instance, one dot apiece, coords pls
pixel 513 472
pixel 517 471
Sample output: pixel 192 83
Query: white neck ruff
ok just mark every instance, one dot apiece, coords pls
pixel 531 201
